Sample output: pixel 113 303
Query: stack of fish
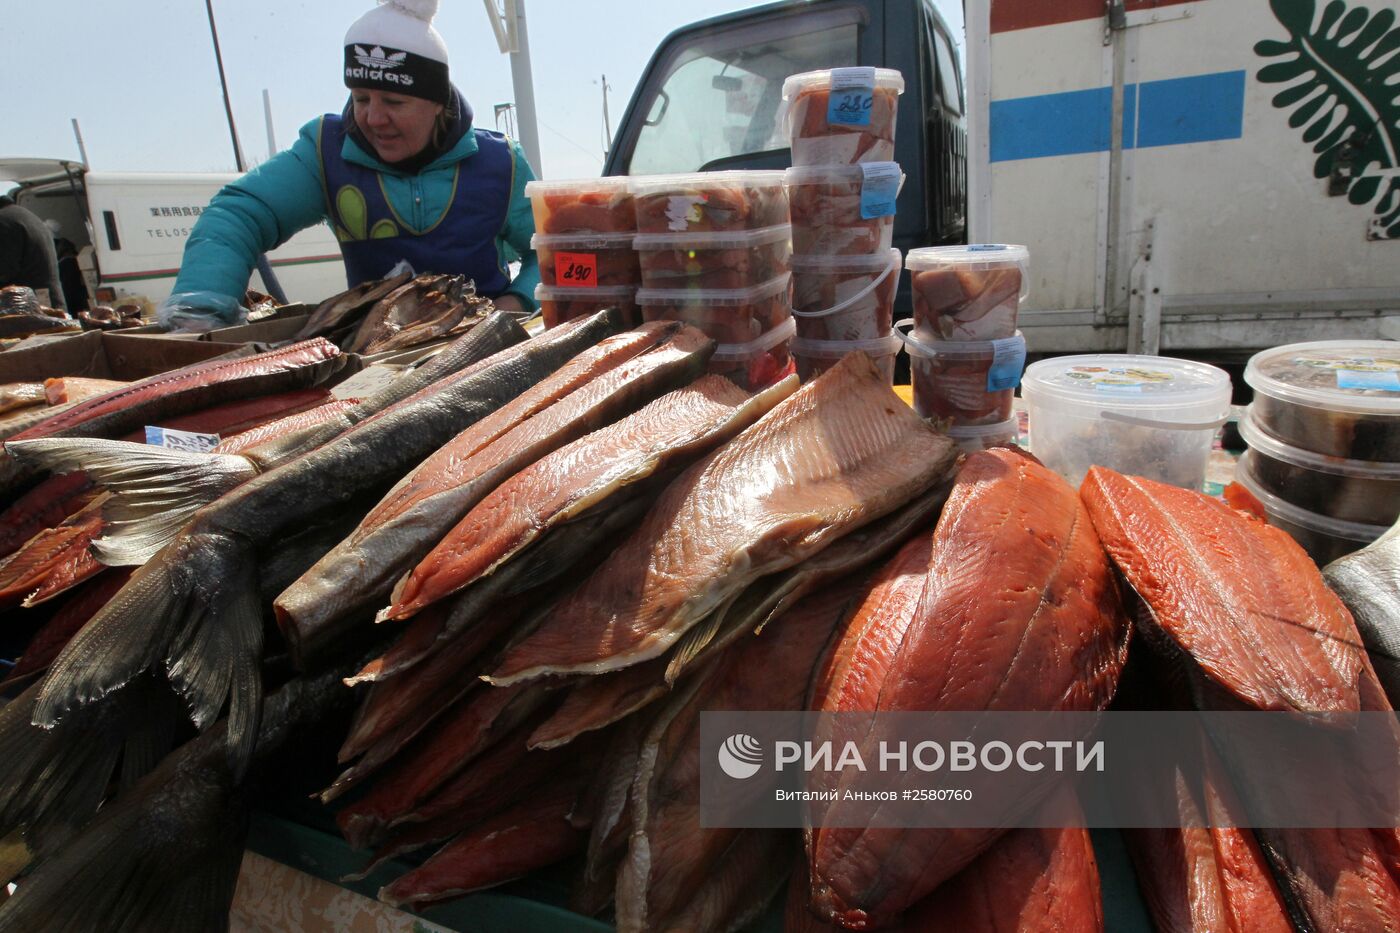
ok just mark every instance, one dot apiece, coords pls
pixel 396 313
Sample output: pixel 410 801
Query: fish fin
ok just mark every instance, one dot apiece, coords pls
pixel 693 644
pixel 156 714
pixel 155 490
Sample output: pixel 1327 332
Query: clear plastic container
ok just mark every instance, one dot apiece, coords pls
pixel 971 438
pixel 968 292
pixel 1352 490
pixel 582 205
pixel 815 357
pixel 739 259
pixel 709 201
pixel 965 382
pixel 558 305
pixel 1150 416
pixel 845 297
pixel 586 260
pixel 840 210
pixel 1335 397
pixel 738 315
pixel 1325 539
pixel 758 363
pixel 840 116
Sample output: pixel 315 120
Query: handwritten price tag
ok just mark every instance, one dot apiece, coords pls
pixel 187 441
pixel 852 96
pixel 578 270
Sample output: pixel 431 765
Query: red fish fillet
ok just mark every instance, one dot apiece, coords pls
pixel 251 437
pixel 64 624
pixel 44 506
pixel 53 560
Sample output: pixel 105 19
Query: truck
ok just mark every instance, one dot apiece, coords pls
pixel 1199 177
pixel 130 229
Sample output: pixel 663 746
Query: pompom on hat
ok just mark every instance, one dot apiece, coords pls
pixel 395 48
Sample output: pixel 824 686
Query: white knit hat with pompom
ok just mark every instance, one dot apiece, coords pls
pixel 395 48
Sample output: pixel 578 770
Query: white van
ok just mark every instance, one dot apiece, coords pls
pixel 130 228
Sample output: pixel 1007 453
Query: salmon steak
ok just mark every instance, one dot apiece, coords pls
pixel 838 454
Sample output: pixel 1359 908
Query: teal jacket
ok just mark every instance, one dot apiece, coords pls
pixel 261 211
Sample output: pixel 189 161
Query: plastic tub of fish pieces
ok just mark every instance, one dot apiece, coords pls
pixel 840 116
pixel 706 202
pixel 968 292
pixel 558 304
pixel 1335 397
pixel 1325 539
pixel 1150 416
pixel 971 438
pixel 582 205
pixel 814 357
pixel 1351 490
pixel 843 210
pixel 725 259
pixel 965 382
pixel 845 297
pixel 586 260
pixel 759 363
pixel 737 315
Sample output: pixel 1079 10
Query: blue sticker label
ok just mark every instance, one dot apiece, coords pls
pixel 181 440
pixel 1008 359
pixel 852 96
pixel 878 189
pixel 1364 379
pixel 986 247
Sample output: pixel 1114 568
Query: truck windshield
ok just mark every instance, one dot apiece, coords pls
pixel 720 95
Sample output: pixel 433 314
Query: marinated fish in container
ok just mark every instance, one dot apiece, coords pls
pixel 843 210
pixel 814 357
pixel 586 260
pixel 737 315
pixel 968 292
pixel 559 304
pixel 966 382
pixel 709 201
pixel 581 205
pixel 1324 538
pixel 1334 397
pixel 845 297
pixel 839 116
pixel 759 363
pixel 741 259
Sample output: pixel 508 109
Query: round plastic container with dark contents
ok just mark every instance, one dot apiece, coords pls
pixel 815 357
pixel 845 297
pixel 833 213
pixel 840 116
pixel 756 364
pixel 737 316
pixel 965 382
pixel 704 202
pixel 582 205
pixel 725 260
pixel 971 438
pixel 586 260
pixel 967 292
pixel 558 305
pixel 1325 539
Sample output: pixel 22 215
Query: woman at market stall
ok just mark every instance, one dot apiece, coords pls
pixel 400 174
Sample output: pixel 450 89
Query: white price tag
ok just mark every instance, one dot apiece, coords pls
pixel 189 441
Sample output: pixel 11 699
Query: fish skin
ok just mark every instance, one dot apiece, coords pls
pixel 44 646
pixel 841 452
pixel 1017 609
pixel 17 395
pixel 600 383
pixel 26 418
pixel 424 296
pixel 453 315
pixel 668 432
pixel 333 312
pixel 734 896
pixel 1368 582
pixel 44 506
pixel 63 389
pixel 296 421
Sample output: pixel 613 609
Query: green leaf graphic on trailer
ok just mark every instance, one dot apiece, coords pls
pixel 1343 89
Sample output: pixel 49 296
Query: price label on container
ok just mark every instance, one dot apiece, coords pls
pixel 1008 359
pixel 878 189
pixel 181 440
pixel 852 96
pixel 1368 379
pixel 576 270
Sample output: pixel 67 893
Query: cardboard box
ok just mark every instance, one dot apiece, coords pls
pixel 107 355
pixel 268 331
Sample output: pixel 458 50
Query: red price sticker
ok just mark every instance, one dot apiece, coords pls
pixel 579 270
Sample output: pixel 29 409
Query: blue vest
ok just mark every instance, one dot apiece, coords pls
pixel 373 237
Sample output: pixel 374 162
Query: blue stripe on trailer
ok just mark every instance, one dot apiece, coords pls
pixel 1156 113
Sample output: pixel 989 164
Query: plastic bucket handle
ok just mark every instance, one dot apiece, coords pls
pixel 1169 425
pixel 867 290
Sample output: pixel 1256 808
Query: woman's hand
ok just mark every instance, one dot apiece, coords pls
pixel 511 303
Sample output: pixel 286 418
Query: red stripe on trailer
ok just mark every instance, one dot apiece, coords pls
pixel 1027 14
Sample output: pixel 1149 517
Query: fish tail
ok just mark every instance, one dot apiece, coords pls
pixel 155 490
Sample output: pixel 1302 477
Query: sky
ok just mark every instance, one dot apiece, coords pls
pixel 139 75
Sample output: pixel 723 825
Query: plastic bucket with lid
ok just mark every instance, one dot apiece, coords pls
pixel 843 210
pixel 971 438
pixel 965 382
pixel 758 363
pixel 1363 491
pixel 586 260
pixel 840 116
pixel 845 297
pixel 1151 416
pixel 558 305
pixel 582 205
pixel 1325 539
pixel 1335 397
pixel 968 292
pixel 728 315
pixel 709 201
pixel 725 259
pixel 815 357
